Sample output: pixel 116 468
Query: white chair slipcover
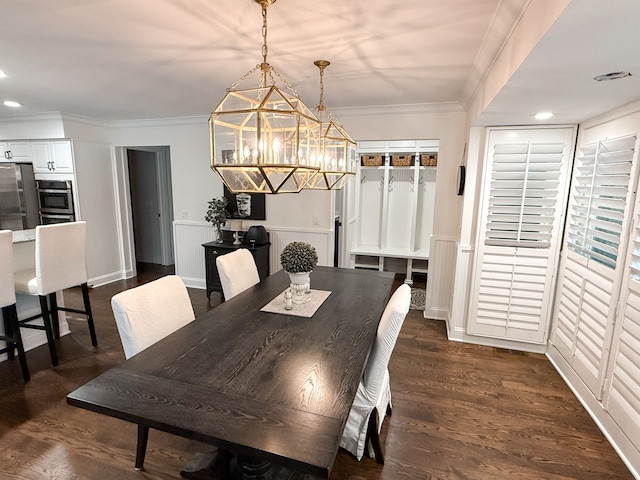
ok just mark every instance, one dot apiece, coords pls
pixel 237 271
pixel 7 289
pixel 60 263
pixel 61 260
pixel 148 313
pixel 11 335
pixel 145 315
pixel 374 392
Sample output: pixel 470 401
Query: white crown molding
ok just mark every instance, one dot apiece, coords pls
pixel 31 117
pixel 160 122
pixel 85 120
pixel 508 16
pixel 391 110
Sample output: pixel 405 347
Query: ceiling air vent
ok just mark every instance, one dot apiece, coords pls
pixel 611 76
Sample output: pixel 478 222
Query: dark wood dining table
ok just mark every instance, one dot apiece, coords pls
pixel 268 388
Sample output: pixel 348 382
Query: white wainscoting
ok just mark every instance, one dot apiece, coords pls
pixel 189 253
pixel 457 320
pixel 188 238
pixel 322 240
pixel 442 263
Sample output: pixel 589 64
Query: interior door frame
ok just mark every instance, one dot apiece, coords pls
pixel 165 201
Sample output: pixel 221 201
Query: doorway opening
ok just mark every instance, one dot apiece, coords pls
pixel 151 208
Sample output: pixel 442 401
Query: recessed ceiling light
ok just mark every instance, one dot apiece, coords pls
pixel 543 115
pixel 611 76
pixel 12 104
pixel 2 74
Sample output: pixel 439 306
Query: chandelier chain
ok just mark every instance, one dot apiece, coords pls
pixel 265 49
pixel 243 78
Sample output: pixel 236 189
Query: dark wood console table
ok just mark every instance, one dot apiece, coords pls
pixel 213 250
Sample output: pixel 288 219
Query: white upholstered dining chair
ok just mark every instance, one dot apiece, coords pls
pixel 60 263
pixel 12 336
pixel 237 271
pixel 145 315
pixel 148 313
pixel 373 398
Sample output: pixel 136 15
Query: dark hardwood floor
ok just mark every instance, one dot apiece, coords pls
pixel 459 412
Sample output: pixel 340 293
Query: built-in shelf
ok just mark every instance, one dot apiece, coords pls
pixel 395 205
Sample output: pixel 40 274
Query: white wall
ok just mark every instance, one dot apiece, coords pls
pixel 448 127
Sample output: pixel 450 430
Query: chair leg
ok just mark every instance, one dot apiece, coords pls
pixel 49 330
pixel 12 313
pixel 87 309
pixel 141 449
pixel 53 315
pixel 14 339
pixel 373 436
pixel 8 333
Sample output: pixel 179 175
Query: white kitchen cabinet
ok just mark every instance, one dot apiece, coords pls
pixel 19 152
pixel 52 156
pixel 395 205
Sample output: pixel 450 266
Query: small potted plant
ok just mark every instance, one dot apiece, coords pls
pixel 217 215
pixel 299 259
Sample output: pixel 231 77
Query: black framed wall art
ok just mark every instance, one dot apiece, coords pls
pixel 246 206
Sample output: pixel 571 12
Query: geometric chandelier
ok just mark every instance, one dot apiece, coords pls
pixel 337 159
pixel 264 139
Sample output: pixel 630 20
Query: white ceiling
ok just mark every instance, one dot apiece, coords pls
pixel 123 59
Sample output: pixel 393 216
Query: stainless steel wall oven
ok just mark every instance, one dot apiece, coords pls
pixel 55 200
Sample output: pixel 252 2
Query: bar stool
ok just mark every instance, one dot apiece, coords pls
pixel 61 263
pixel 11 335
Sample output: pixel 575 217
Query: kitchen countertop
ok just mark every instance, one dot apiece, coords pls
pixel 21 236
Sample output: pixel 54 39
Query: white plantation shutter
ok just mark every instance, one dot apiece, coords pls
pixel 634 266
pixel 599 197
pixel 592 263
pixel 623 401
pixel 523 194
pixel 523 199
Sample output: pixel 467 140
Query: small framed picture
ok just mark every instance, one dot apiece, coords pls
pixel 246 206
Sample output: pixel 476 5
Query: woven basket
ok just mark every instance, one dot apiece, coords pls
pixel 371 160
pixel 429 159
pixel 401 160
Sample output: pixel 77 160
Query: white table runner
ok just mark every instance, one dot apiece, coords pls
pixel 307 309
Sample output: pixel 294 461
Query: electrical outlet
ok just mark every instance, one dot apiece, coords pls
pixel 184 214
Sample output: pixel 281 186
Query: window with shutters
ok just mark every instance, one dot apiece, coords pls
pixel 523 194
pixel 634 267
pixel 599 195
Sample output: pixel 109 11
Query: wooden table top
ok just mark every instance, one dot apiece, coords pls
pixel 270 386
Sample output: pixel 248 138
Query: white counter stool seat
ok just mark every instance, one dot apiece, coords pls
pixel 61 263
pixel 373 397
pixel 237 271
pixel 145 315
pixel 11 335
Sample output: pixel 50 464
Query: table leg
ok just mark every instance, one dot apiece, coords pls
pixel 250 468
pixel 141 450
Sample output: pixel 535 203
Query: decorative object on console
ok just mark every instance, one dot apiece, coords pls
pixel 236 226
pixel 299 259
pixel 263 138
pixel 337 159
pixel 217 215
pixel 256 235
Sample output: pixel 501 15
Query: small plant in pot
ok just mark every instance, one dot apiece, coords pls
pixel 217 215
pixel 298 259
